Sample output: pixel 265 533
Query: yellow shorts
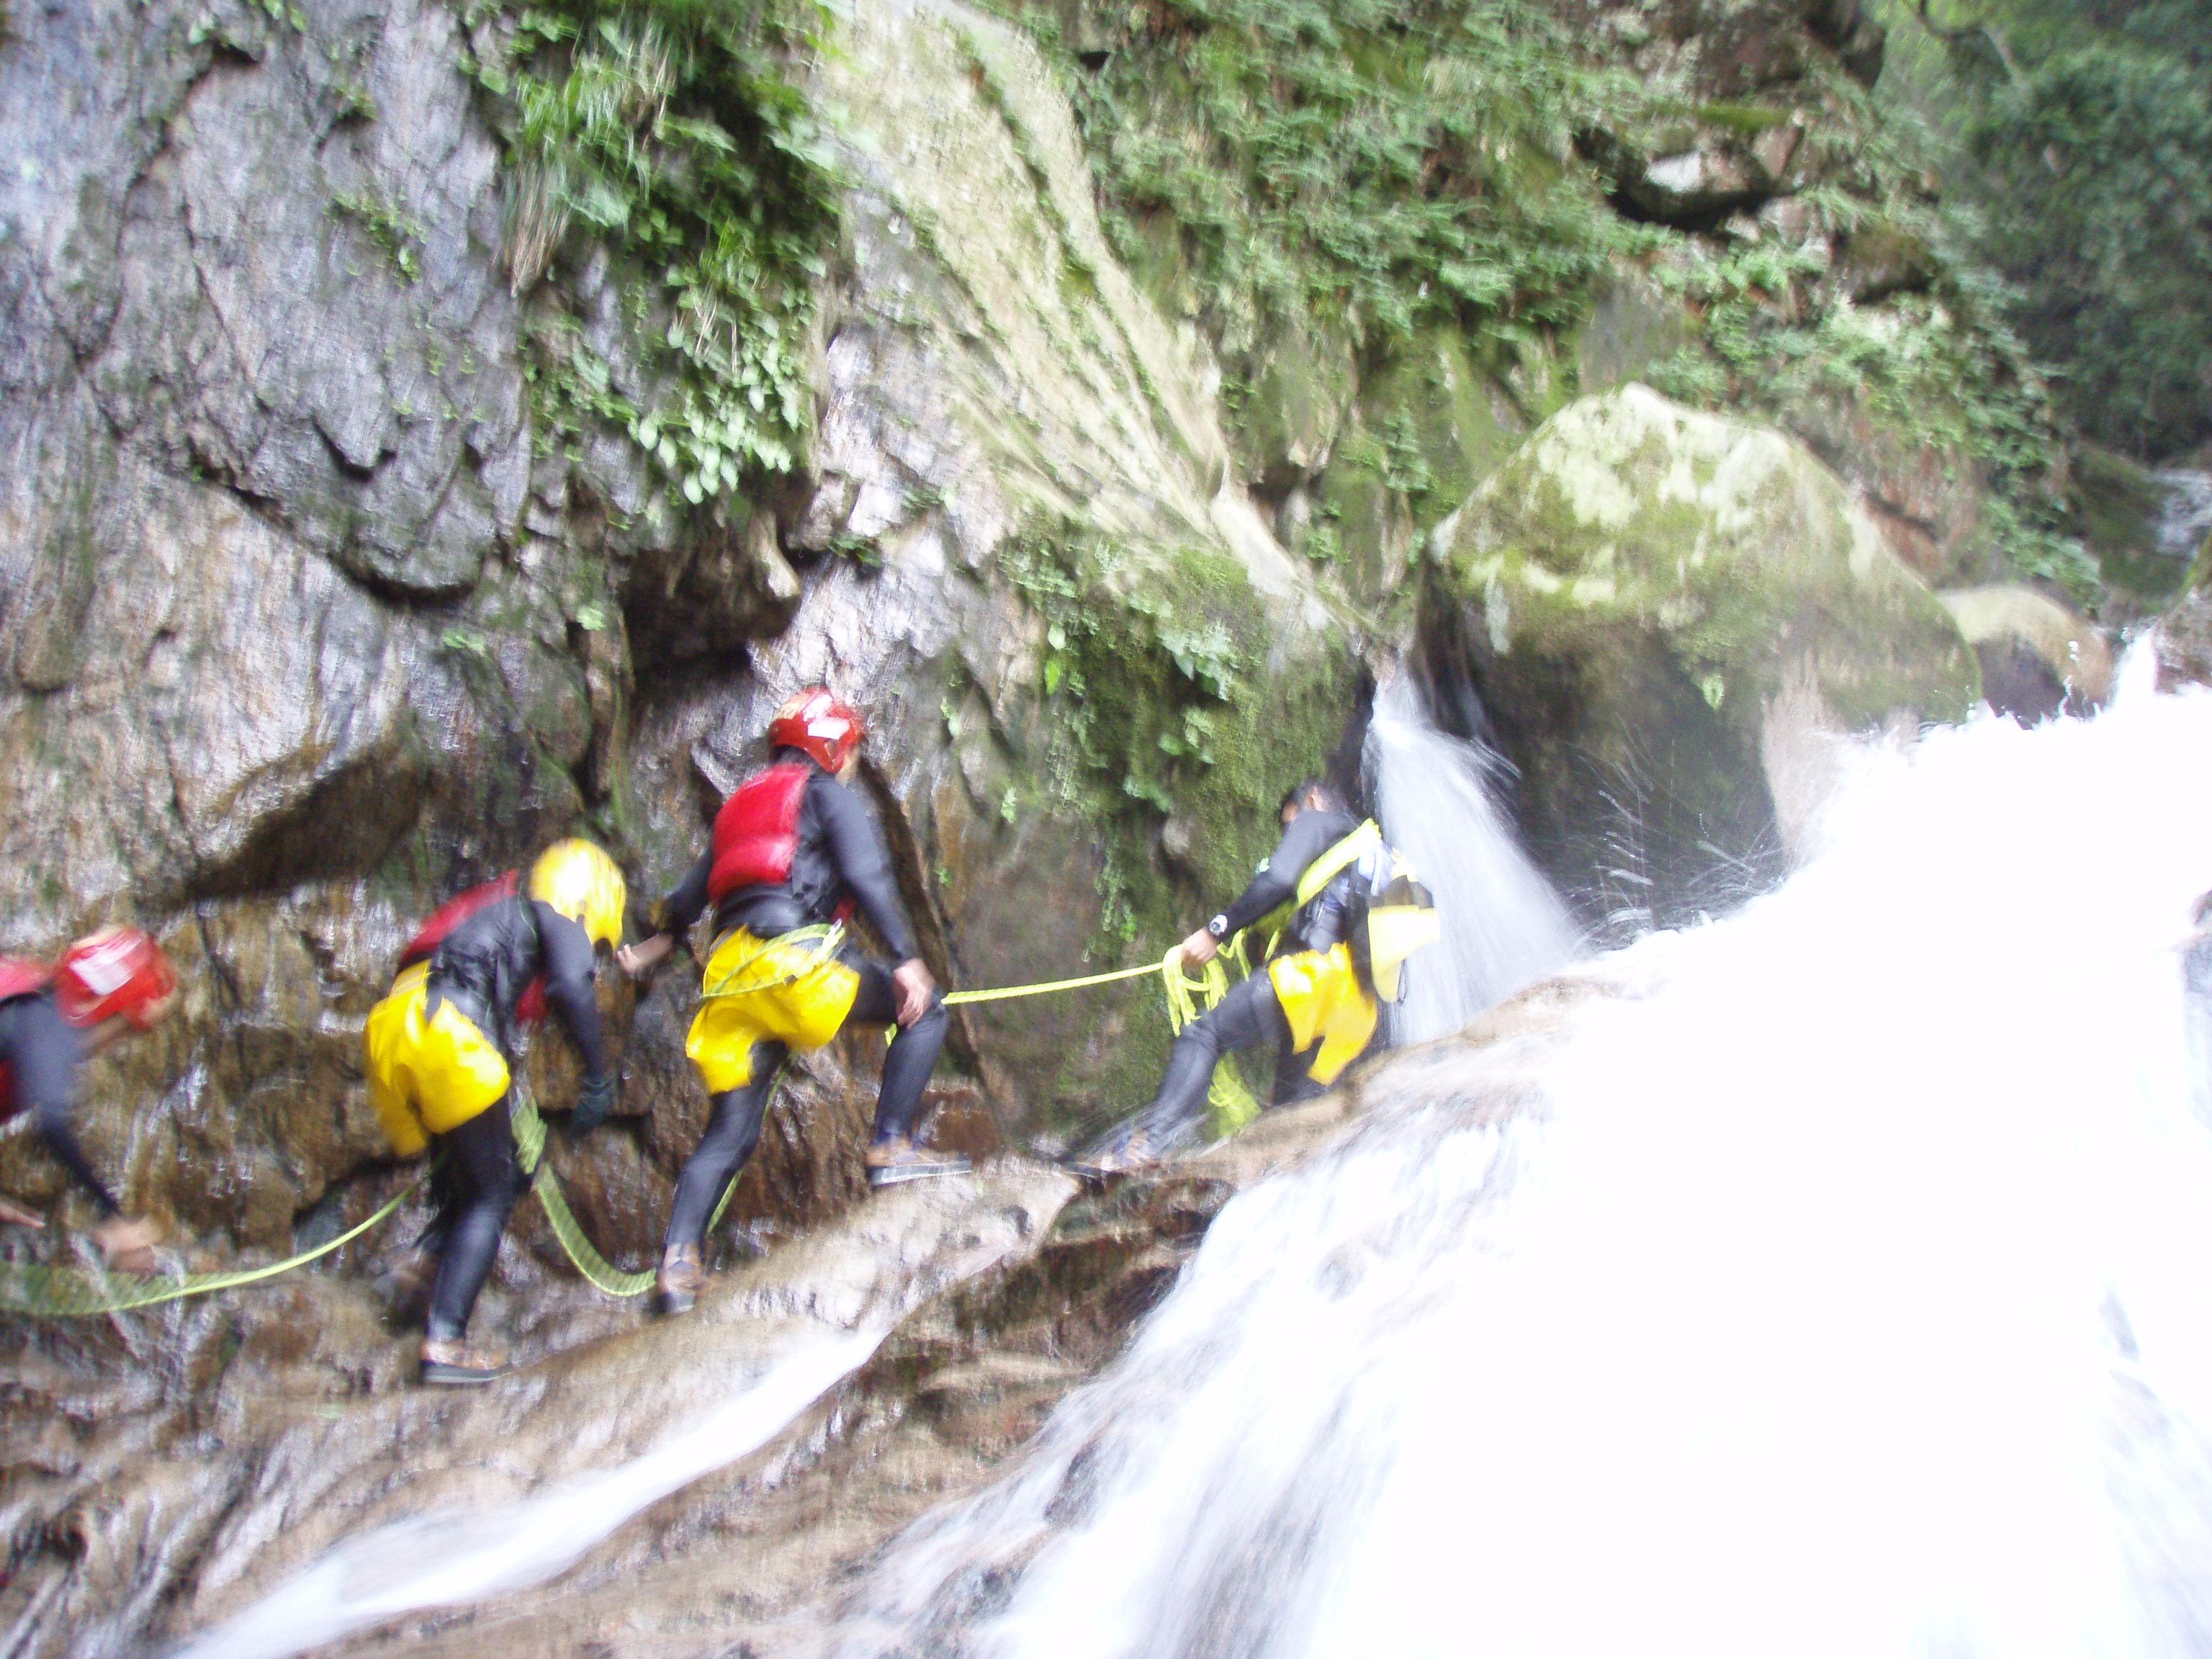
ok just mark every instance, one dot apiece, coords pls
pixel 427 1076
pixel 1323 1000
pixel 788 990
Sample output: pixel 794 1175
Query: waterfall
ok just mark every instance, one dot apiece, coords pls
pixel 2185 517
pixel 1828 1279
pixel 1504 926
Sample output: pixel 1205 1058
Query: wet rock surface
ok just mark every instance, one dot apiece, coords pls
pixel 1636 599
pixel 167 1471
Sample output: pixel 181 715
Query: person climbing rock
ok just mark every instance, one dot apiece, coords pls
pixel 104 987
pixel 1357 914
pixel 794 852
pixel 440 1052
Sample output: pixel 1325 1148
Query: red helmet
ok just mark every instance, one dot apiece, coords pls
pixel 118 970
pixel 815 722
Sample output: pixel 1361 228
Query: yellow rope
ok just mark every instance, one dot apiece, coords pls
pixel 1233 1104
pixel 1007 993
pixel 65 1292
pixel 530 1147
pixel 46 1292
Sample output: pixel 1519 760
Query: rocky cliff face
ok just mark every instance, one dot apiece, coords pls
pixel 310 618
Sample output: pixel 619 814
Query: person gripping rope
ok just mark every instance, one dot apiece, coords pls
pixel 440 1050
pixel 104 987
pixel 794 852
pixel 1315 1000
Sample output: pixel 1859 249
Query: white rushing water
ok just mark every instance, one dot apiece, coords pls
pixel 1504 926
pixel 449 1560
pixel 1843 1288
pixel 2185 518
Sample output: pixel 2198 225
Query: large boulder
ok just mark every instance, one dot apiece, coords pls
pixel 2039 656
pixel 1654 608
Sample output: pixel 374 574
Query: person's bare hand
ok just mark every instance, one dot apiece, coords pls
pixel 126 1244
pixel 16 1216
pixel 1199 949
pixel 639 959
pixel 915 988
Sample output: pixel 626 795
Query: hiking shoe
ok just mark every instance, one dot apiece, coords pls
pixel 891 1166
pixel 681 1278
pixel 452 1363
pixel 1115 1162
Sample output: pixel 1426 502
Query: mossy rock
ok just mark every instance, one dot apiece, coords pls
pixel 1631 325
pixel 2038 657
pixel 1289 401
pixel 2120 504
pixel 1631 596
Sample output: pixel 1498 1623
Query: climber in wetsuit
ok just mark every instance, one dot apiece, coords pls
pixel 794 851
pixel 440 1052
pixel 104 987
pixel 1314 1002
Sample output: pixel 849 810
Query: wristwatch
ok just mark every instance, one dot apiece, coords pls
pixel 1218 926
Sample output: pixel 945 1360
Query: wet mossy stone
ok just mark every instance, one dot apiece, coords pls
pixel 1630 595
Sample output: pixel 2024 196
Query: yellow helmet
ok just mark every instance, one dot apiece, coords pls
pixel 580 882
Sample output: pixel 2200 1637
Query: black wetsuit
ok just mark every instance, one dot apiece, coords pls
pixel 42 1052
pixel 840 858
pixel 483 967
pixel 1250 1016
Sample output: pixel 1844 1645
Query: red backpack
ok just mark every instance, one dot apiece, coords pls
pixel 17 979
pixel 447 919
pixel 757 831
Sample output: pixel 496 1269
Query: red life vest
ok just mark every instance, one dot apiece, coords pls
pixel 446 920
pixel 757 831
pixel 17 979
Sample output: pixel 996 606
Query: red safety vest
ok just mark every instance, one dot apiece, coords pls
pixel 757 831
pixel 447 919
pixel 17 979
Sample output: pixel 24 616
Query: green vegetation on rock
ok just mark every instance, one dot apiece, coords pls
pixel 1465 179
pixel 2082 166
pixel 666 131
pixel 1172 700
pixel 1374 162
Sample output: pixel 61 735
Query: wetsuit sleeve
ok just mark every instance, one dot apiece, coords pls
pixel 1310 834
pixel 864 863
pixel 687 899
pixel 46 1051
pixel 568 954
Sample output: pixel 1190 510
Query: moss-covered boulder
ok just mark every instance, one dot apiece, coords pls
pixel 1648 602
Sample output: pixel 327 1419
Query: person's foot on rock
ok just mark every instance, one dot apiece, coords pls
pixel 452 1362
pixel 681 1278
pixel 892 1162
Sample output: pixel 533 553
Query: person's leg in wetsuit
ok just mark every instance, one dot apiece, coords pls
pixel 733 1129
pixel 406 1285
pixel 1294 1078
pixel 487 1179
pixel 733 1126
pixel 1248 1017
pixel 909 1060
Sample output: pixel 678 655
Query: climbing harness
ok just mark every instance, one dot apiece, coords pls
pixel 58 1292
pixel 786 968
